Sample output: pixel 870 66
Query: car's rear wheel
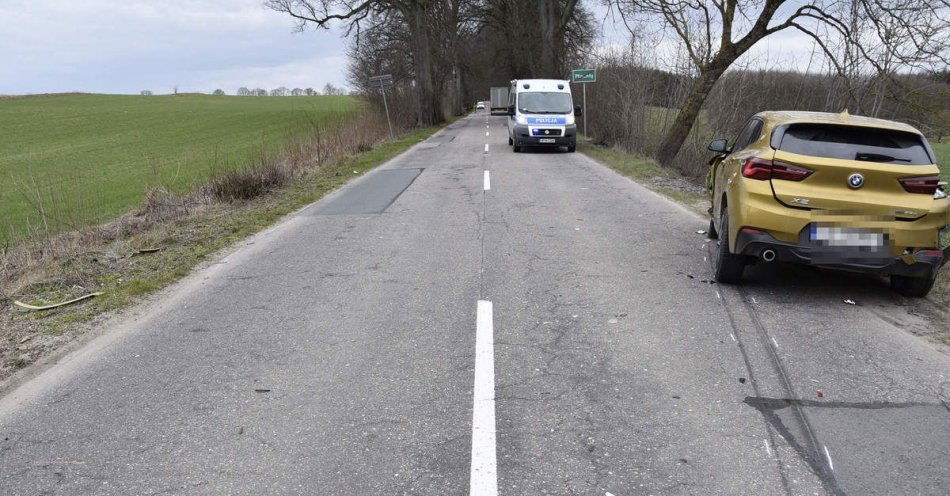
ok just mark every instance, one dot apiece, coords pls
pixel 728 266
pixel 510 141
pixel 915 287
pixel 711 232
pixel 517 148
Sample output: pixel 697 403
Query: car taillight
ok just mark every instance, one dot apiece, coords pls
pixel 761 169
pixel 926 185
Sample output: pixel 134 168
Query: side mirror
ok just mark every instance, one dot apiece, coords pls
pixel 719 146
pixel 511 110
pixel 578 110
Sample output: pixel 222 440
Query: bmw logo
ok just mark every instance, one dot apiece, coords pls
pixel 855 181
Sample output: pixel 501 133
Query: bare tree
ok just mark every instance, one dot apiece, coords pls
pixel 260 92
pixel 415 14
pixel 243 91
pixel 218 92
pixel 309 91
pixel 715 33
pixel 146 92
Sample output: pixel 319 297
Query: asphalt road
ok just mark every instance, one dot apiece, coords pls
pixel 545 327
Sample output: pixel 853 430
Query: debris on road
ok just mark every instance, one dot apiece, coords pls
pixel 850 302
pixel 742 380
pixel 262 390
pixel 821 394
pixel 700 232
pixel 36 308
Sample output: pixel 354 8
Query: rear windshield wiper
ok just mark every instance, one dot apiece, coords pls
pixel 878 157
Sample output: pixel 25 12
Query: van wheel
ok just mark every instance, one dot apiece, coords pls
pixel 711 232
pixel 914 287
pixel 510 141
pixel 572 149
pixel 728 266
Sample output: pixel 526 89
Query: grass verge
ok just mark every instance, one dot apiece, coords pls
pixel 666 181
pixel 126 269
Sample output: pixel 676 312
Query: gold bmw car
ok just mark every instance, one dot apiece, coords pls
pixel 831 190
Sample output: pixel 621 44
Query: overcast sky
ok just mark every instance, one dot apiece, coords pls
pixel 125 46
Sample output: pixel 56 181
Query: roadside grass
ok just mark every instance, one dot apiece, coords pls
pixel 124 273
pixel 73 160
pixel 646 171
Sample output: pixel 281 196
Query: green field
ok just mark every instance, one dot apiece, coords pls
pixel 82 159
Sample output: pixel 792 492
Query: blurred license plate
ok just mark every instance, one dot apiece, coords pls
pixel 845 236
pixel 546 140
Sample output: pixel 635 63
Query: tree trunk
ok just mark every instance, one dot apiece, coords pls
pixel 429 104
pixel 547 11
pixel 687 115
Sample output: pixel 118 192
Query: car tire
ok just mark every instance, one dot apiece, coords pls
pixel 510 141
pixel 914 287
pixel 728 267
pixel 572 149
pixel 711 232
pixel 517 149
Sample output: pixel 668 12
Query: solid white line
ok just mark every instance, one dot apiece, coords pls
pixel 487 181
pixel 830 464
pixel 486 147
pixel 484 474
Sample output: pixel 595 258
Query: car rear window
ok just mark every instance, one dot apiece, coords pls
pixel 855 143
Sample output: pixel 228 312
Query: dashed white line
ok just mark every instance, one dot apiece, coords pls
pixel 487 181
pixel 486 147
pixel 484 475
pixel 831 465
pixel 486 133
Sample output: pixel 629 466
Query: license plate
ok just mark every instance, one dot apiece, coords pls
pixel 845 236
pixel 546 140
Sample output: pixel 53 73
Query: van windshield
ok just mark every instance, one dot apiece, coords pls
pixel 544 103
pixel 856 143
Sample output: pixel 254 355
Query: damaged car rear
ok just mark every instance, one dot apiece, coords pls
pixel 830 190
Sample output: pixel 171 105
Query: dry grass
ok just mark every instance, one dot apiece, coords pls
pixel 117 257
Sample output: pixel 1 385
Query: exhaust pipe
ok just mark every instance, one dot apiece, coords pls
pixel 768 254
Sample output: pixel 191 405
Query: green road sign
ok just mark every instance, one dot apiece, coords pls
pixel 584 75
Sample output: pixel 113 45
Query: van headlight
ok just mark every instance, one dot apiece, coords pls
pixel 570 119
pixel 521 119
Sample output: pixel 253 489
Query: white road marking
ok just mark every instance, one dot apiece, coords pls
pixel 718 295
pixel 830 464
pixel 486 147
pixel 767 447
pixel 486 133
pixel 487 181
pixel 733 336
pixel 484 474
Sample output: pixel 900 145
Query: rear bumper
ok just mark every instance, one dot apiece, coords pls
pixel 917 264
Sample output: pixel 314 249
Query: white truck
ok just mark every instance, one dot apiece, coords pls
pixel 499 99
pixel 541 113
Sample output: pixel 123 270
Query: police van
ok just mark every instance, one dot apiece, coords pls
pixel 541 113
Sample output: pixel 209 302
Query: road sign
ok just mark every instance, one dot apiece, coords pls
pixel 383 81
pixel 584 75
